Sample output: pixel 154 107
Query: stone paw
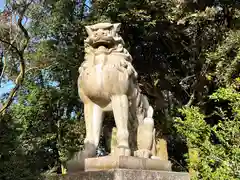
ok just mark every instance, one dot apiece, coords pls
pixel 122 151
pixel 143 153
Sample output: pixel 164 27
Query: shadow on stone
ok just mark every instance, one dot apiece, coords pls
pixel 77 163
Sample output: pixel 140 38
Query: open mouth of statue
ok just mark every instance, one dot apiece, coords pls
pixel 105 44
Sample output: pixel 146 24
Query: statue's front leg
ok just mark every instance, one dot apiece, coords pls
pixel 120 112
pixel 93 115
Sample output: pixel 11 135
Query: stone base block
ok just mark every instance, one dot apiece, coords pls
pixel 124 174
pixel 125 162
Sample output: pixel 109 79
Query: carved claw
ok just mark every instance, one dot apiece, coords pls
pixel 143 153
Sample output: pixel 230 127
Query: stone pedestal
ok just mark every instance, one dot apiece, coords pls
pixel 123 174
pixel 124 168
pixel 125 162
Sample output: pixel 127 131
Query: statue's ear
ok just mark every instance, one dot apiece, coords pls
pixel 116 27
pixel 89 30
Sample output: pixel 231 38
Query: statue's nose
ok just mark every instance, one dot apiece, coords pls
pixel 100 33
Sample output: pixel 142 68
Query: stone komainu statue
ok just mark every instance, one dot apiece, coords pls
pixel 108 82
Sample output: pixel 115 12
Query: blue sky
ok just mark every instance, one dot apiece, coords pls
pixel 2 2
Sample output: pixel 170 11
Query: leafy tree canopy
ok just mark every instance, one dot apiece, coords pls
pixel 187 56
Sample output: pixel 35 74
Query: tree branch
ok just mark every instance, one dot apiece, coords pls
pixel 4 56
pixel 11 45
pixel 192 97
pixel 4 68
pixel 20 78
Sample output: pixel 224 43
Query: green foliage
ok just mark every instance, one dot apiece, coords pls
pixel 14 163
pixel 198 132
pixel 48 112
pixel 218 146
pixel 184 52
pixel 44 136
pixel 225 59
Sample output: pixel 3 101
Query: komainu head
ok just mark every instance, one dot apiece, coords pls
pixel 104 34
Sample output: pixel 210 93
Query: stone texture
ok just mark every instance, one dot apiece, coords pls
pixel 125 162
pixel 108 82
pixel 124 174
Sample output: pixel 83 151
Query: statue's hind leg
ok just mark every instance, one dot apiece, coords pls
pixel 145 136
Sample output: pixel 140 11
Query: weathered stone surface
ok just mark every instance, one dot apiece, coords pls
pixel 125 162
pixel 108 82
pixel 124 174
